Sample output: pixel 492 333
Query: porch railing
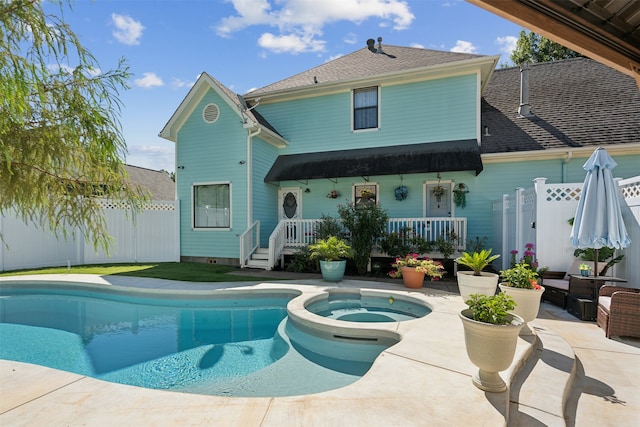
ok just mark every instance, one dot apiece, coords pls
pixel 249 242
pixel 300 233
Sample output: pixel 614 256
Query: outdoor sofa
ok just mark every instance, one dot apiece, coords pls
pixel 619 311
pixel 556 283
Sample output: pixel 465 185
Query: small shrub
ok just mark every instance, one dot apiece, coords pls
pixel 492 309
pixel 327 227
pixel 301 262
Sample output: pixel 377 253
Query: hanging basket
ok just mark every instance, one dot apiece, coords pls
pixel 459 195
pixel 401 193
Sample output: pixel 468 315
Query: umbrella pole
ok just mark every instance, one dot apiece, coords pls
pixel 595 262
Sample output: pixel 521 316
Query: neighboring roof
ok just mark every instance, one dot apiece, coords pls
pixel 401 159
pixel 576 103
pixel 607 31
pixel 158 183
pixel 365 63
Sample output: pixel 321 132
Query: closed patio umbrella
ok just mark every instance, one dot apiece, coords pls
pixel 598 221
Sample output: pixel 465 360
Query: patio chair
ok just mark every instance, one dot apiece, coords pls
pixel 619 311
pixel 556 283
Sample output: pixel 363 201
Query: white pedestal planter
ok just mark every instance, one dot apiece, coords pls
pixel 491 348
pixel 468 284
pixel 528 301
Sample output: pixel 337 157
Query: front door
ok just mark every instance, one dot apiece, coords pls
pixel 438 199
pixel 289 208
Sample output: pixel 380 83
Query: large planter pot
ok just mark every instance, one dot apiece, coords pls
pixel 528 301
pixel 485 284
pixel 491 348
pixel 412 278
pixel 333 271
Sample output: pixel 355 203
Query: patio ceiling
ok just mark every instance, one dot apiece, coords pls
pixel 607 31
pixel 463 155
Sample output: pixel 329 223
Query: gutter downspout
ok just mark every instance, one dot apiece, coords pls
pixel 566 161
pixel 250 136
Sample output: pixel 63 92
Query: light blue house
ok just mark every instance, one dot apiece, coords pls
pixel 421 129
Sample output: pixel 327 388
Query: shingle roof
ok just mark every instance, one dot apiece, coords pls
pixel 365 63
pixel 158 183
pixel 577 102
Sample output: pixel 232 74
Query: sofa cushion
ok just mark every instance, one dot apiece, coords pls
pixel 556 283
pixel 574 269
pixel 605 302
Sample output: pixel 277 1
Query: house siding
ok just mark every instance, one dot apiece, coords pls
pixel 447 111
pixel 265 195
pixel 211 153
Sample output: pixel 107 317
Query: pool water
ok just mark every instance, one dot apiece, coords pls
pixel 354 307
pixel 220 346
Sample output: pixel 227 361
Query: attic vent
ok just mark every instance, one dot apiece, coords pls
pixel 211 113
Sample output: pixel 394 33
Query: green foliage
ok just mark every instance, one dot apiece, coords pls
pixel 327 227
pixel 532 47
pixel 404 242
pixel 61 147
pixel 520 276
pixel 331 249
pixel 605 254
pixel 477 261
pixel 477 245
pixel 301 262
pixel 447 245
pixel 366 223
pixel 492 309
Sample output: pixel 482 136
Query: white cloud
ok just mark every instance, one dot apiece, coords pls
pixel 507 44
pixel 179 83
pixel 149 80
pixel 300 23
pixel 153 157
pixel 417 45
pixel 464 47
pixel 128 30
pixel 291 43
pixel 90 72
pixel 351 38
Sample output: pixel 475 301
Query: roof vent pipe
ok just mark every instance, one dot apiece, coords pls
pixel 379 50
pixel 524 110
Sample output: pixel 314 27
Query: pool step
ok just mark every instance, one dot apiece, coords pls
pixel 541 387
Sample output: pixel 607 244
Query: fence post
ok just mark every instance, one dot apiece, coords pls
pixel 519 219
pixel 505 231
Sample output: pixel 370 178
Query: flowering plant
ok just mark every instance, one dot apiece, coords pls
pixel 438 190
pixel 584 267
pixel 427 266
pixel 528 258
pixel 521 275
pixel 365 192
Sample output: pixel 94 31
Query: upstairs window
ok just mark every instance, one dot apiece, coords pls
pixel 211 206
pixel 365 108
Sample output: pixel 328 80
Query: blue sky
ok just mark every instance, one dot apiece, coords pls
pixel 247 44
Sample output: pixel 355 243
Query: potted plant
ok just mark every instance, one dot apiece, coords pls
pixel 477 281
pixel 521 282
pixel 332 253
pixel 413 269
pixel 490 334
pixel 585 269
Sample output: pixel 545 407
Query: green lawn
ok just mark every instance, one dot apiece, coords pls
pixel 190 272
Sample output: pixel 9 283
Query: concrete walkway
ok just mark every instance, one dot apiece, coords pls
pixel 425 380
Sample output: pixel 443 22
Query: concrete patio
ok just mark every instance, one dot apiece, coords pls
pixel 571 375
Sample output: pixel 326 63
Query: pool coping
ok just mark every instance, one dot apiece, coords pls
pixel 398 390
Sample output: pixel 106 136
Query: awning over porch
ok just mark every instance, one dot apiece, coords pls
pixel 446 156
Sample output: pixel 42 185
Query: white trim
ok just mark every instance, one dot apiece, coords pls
pixel 379 96
pixel 192 202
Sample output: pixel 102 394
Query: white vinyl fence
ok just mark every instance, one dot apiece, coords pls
pixel 540 215
pixel 153 238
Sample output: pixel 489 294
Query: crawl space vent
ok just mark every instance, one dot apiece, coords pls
pixel 211 113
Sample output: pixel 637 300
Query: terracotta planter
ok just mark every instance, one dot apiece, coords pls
pixel 412 278
pixel 528 301
pixel 468 284
pixel 491 348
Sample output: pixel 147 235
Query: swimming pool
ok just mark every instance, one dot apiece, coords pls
pixel 229 343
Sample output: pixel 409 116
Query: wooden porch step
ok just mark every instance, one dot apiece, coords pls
pixel 257 263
